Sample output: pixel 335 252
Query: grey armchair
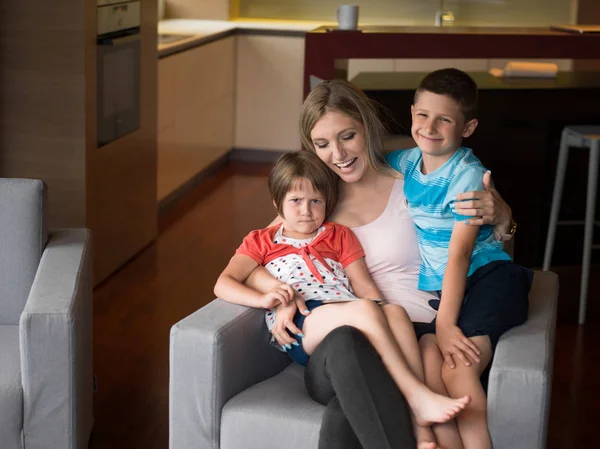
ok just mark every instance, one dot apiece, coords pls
pixel 45 325
pixel 230 389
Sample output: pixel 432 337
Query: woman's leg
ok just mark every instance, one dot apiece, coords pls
pixel 472 423
pixel 336 431
pixel 446 434
pixel 364 405
pixel 427 406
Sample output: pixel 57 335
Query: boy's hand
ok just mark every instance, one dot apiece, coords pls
pixel 280 294
pixel 284 320
pixel 453 343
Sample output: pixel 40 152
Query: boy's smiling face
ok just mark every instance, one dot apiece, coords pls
pixel 438 125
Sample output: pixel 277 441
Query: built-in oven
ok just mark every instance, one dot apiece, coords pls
pixel 118 68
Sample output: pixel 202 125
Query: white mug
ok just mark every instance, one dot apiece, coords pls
pixel 347 17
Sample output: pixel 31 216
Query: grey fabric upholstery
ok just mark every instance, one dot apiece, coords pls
pixel 22 241
pixel 520 379
pixel 51 339
pixel 11 391
pixel 229 389
pixel 263 411
pixel 215 353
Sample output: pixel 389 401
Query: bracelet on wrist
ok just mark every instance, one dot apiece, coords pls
pixel 506 237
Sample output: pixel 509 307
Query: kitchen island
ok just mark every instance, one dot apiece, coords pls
pixel 327 50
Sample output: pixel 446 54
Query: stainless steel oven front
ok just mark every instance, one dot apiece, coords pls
pixel 118 68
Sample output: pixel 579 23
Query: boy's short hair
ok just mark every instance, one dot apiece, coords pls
pixel 456 84
pixel 303 164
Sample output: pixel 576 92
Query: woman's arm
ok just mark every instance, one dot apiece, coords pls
pixel 451 340
pixel 487 206
pixel 361 280
pixel 230 287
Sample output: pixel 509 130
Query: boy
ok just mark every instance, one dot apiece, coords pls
pixel 483 294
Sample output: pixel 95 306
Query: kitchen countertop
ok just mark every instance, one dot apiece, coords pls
pixel 201 32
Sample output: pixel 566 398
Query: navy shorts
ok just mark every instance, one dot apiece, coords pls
pixel 297 353
pixel 496 300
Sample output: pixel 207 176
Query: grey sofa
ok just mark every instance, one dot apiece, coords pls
pixel 45 325
pixel 229 389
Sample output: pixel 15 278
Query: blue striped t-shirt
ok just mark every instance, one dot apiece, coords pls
pixel 430 200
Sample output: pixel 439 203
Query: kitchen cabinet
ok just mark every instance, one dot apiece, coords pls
pixel 270 71
pixel 195 112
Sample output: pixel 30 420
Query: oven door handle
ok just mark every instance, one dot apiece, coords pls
pixel 116 41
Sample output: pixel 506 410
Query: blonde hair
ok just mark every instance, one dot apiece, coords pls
pixel 302 164
pixel 342 96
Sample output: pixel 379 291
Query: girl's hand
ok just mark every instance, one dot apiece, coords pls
pixel 284 320
pixel 279 294
pixel 487 206
pixel 453 343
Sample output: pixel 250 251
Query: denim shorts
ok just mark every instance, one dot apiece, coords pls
pixel 297 353
pixel 496 300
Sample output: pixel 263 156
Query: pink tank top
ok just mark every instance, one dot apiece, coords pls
pixel 393 258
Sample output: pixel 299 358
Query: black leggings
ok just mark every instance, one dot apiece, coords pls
pixel 365 409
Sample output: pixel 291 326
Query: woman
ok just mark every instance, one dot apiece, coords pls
pixel 364 408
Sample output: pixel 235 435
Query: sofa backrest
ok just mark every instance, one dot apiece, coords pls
pixel 23 237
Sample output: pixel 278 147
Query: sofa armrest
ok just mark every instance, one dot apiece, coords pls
pixel 55 332
pixel 216 352
pixel 521 373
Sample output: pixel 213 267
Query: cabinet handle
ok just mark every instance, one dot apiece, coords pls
pixel 116 41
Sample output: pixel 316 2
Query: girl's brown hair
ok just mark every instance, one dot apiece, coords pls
pixel 302 164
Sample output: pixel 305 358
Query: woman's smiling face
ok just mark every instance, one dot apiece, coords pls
pixel 340 142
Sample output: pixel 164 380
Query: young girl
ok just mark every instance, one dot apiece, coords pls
pixel 318 261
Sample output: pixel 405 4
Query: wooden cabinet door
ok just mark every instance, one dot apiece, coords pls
pixel 270 72
pixel 195 112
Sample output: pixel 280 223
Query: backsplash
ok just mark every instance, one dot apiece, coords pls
pixel 419 12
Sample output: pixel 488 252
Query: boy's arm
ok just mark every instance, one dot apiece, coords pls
pixel 230 287
pixel 451 340
pixel 361 280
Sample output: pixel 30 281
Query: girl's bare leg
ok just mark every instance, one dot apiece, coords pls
pixel 404 333
pixel 446 434
pixel 465 380
pixel 427 406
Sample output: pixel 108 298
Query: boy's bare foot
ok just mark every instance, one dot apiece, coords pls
pixel 429 407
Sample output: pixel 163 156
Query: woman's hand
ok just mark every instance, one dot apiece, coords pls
pixel 284 320
pixel 279 294
pixel 453 343
pixel 487 206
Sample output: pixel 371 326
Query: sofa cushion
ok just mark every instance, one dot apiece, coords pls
pixel 22 242
pixel 11 391
pixel 276 413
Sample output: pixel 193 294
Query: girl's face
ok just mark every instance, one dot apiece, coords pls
pixel 303 210
pixel 340 142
